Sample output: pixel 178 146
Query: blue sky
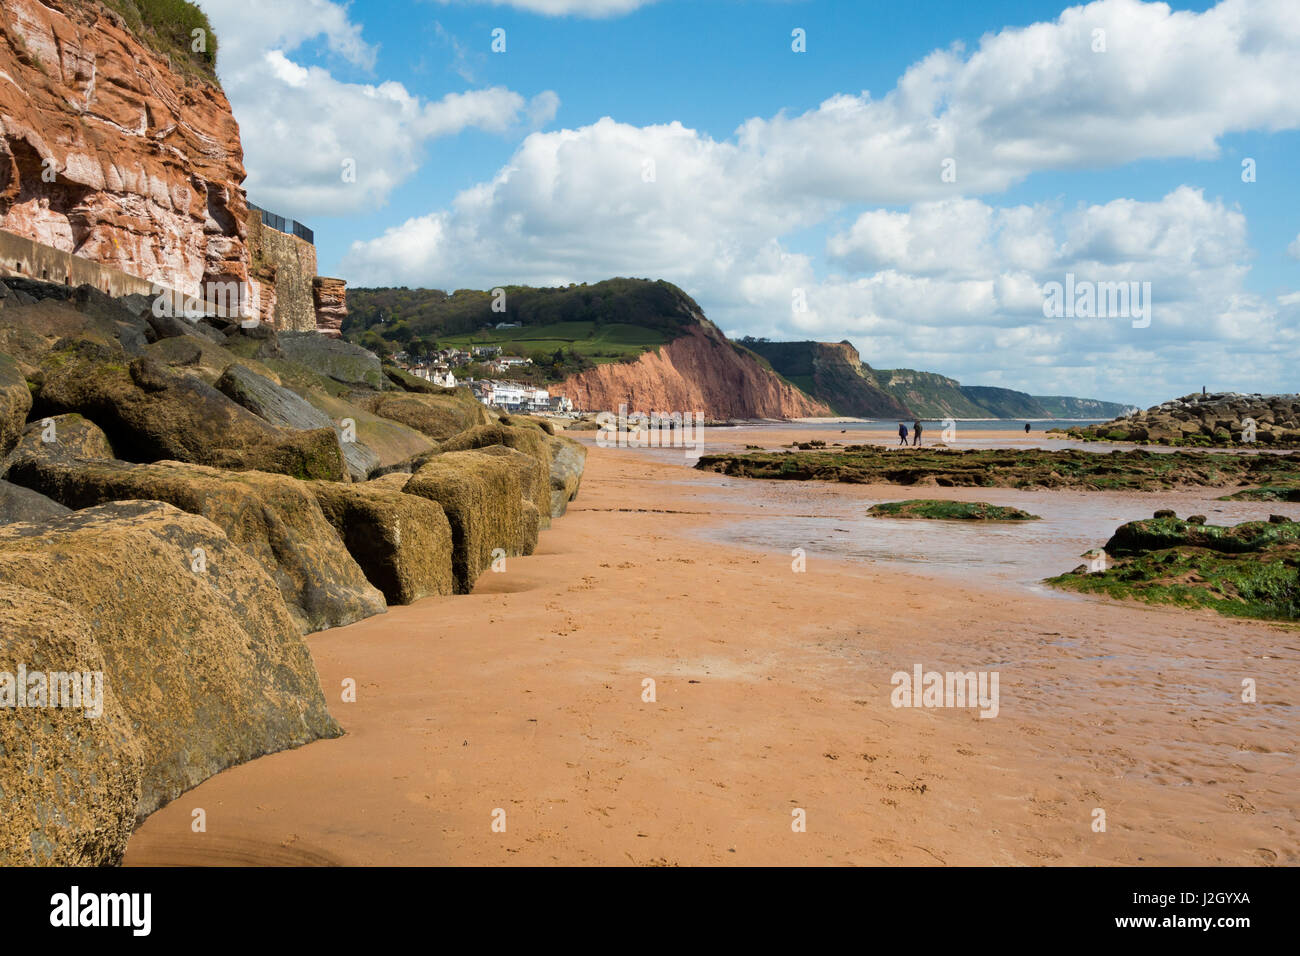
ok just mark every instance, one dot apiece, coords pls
pixel 778 176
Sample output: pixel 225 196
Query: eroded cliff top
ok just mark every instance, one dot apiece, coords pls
pixel 169 27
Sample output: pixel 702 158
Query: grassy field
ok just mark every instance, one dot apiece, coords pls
pixel 609 342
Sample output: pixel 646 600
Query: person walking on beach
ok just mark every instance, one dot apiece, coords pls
pixel 1026 428
pixel 916 433
pixel 902 434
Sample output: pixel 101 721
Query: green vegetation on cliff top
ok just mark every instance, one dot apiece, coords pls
pixel 564 330
pixel 167 27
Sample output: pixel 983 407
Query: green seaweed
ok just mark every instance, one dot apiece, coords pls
pixel 1247 570
pixel 939 510
pixel 1133 470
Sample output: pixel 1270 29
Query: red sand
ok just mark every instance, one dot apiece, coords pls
pixel 773 693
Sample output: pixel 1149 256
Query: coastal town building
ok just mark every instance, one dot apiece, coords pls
pixel 512 396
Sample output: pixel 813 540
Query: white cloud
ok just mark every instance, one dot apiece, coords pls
pixel 948 283
pixel 303 128
pixel 558 8
pixel 1293 250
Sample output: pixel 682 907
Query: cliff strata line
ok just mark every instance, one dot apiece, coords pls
pixel 108 153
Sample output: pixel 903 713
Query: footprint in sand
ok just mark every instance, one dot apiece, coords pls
pixel 1240 803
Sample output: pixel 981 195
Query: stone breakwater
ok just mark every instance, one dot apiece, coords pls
pixel 1221 419
pixel 180 502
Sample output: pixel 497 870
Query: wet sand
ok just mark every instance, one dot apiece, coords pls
pixel 773 693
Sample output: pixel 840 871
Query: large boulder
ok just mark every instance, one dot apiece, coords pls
pixel 529 421
pixel 438 416
pixel 402 542
pixel 533 443
pixel 333 358
pixel 202 655
pixel 39 314
pixel 208 360
pixel 152 412
pixel 391 441
pixel 274 519
pixel 15 402
pixel 285 407
pixel 534 484
pixel 176 326
pixel 61 437
pixel 568 458
pixel 270 400
pixel 22 504
pixel 483 503
pixel 69 776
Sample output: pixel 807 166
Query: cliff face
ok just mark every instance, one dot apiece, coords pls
pixel 928 394
pixel 833 373
pixel 108 153
pixel 699 371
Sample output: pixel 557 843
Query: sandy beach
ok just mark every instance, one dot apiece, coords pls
pixel 772 695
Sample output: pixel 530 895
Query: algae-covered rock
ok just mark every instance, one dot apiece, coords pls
pixel 285 407
pixel 411 383
pixel 1247 570
pixel 439 416
pixel 62 437
pixel 69 776
pixel 529 421
pixel 206 359
pixel 941 510
pixel 402 542
pixel 1273 492
pixel 176 326
pixel 483 502
pixel 275 519
pixel 534 443
pixel 534 483
pixel 33 324
pixel 15 403
pixel 389 442
pixel 333 358
pixel 1136 470
pixel 1153 534
pixel 530 527
pixel 152 412
pixel 203 656
pixel 568 459
pixel 270 400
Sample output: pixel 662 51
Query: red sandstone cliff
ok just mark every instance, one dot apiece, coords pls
pixel 146 164
pixel 700 371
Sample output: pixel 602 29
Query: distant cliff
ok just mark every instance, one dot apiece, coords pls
pixel 700 370
pixel 929 394
pixel 117 144
pixel 833 373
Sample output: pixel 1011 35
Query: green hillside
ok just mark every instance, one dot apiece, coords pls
pixel 1004 402
pixel 928 394
pixel 563 329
